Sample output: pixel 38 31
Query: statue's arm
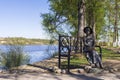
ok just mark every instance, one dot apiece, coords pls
pixel 84 41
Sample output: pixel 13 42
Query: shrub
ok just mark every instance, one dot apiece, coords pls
pixel 54 54
pixel 14 57
pixel 51 53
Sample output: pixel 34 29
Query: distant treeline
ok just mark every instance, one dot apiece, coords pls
pixel 24 41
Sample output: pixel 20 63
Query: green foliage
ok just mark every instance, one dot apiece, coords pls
pixel 102 15
pixel 112 17
pixel 95 11
pixel 63 16
pixel 14 57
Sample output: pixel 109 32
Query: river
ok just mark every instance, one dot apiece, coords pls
pixel 36 52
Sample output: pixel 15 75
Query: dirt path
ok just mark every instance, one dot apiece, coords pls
pixel 112 63
pixel 53 76
pixel 38 71
pixel 46 76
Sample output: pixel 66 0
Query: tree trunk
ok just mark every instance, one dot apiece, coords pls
pixel 115 37
pixel 93 27
pixel 81 16
pixel 81 23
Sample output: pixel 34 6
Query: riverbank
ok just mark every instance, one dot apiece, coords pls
pixel 40 70
pixel 25 41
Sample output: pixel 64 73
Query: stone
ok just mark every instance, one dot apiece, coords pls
pixel 105 71
pixel 81 71
pixel 58 71
pixel 115 69
pixel 111 70
pixel 64 71
pixel 95 70
pixel 51 69
pixel 87 68
pixel 55 67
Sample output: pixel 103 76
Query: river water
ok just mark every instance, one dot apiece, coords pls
pixel 37 52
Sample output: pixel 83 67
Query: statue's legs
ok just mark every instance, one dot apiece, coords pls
pixel 94 58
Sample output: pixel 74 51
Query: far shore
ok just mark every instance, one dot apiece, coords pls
pixel 25 41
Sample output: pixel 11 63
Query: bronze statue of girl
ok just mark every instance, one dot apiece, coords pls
pixel 89 48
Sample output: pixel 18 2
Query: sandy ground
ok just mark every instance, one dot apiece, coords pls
pixel 46 76
pixel 53 76
pixel 38 71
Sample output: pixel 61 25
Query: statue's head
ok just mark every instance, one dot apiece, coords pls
pixel 88 30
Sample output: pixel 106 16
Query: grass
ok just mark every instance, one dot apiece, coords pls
pixel 78 60
pixel 109 54
pixel 75 61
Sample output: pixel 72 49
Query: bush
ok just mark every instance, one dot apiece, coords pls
pixel 14 57
pixel 54 54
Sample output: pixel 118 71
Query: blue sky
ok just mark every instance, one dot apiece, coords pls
pixel 21 18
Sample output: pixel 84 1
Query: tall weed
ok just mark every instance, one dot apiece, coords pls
pixel 14 57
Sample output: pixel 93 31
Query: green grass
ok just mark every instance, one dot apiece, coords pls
pixel 77 61
pixel 109 54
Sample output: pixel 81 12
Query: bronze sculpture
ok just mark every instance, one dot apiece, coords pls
pixel 89 48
